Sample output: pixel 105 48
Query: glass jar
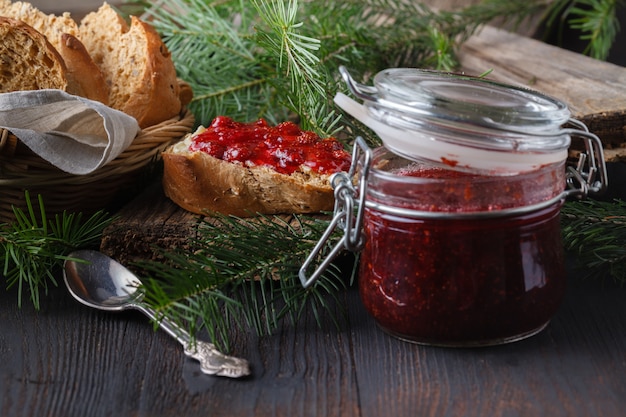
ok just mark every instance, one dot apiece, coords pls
pixel 434 271
pixel 456 216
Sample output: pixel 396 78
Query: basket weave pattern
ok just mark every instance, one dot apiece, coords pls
pixel 21 170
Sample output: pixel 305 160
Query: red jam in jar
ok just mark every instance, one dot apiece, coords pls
pixel 440 266
pixel 285 147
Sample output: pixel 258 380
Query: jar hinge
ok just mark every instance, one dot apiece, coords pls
pixel 346 215
pixel 590 175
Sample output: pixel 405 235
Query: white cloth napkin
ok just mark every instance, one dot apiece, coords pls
pixel 73 133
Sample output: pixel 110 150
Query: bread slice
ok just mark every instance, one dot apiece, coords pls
pixel 201 183
pixel 27 60
pixel 84 77
pixel 136 64
pixel 100 30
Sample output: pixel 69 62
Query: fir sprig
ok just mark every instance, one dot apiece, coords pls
pixel 296 57
pixel 596 232
pixel 33 247
pixel 595 21
pixel 243 272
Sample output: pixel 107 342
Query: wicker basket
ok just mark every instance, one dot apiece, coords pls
pixel 21 170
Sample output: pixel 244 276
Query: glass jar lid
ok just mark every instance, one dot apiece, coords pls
pixel 478 101
pixel 464 122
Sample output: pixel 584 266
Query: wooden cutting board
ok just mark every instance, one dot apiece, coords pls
pixel 595 91
pixel 149 220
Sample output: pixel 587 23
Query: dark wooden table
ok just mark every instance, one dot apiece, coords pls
pixel 68 360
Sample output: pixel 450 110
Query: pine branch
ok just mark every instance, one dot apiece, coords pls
pixel 243 271
pixel 32 248
pixel 212 46
pixel 556 18
pixel 598 24
pixel 595 21
pixel 596 232
pixel 295 56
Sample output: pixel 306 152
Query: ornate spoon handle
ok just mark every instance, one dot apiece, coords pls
pixel 212 361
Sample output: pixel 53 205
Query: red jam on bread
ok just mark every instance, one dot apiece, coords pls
pixel 285 147
pixel 245 169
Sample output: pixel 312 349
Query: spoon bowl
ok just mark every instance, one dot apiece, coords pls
pixel 97 281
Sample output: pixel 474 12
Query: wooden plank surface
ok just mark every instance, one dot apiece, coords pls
pixel 70 361
pixel 595 91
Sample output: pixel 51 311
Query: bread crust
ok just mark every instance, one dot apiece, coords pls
pixel 201 184
pixel 84 77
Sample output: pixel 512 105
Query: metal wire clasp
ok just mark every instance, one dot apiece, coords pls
pixel 590 175
pixel 346 215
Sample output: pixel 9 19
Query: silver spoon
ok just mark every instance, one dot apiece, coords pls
pixel 102 283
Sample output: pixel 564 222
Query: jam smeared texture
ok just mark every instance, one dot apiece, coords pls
pixel 285 147
pixel 461 281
